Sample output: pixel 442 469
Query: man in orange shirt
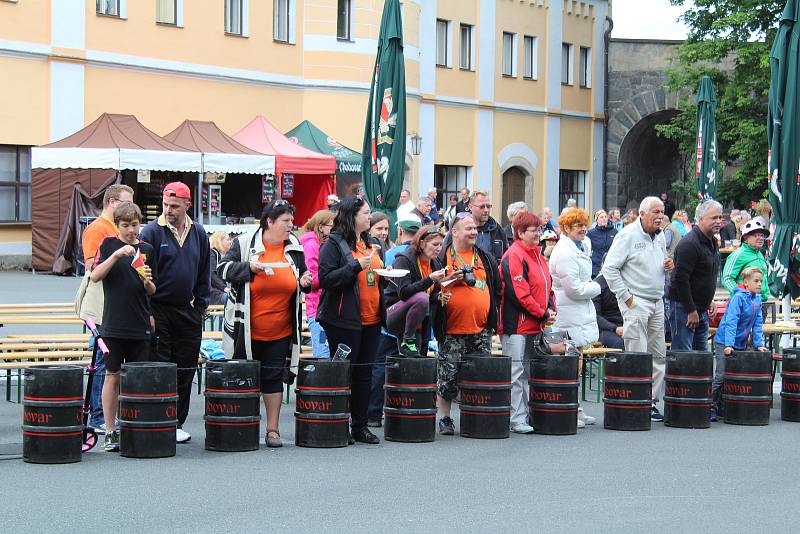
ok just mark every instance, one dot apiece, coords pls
pixel 466 319
pixel 92 304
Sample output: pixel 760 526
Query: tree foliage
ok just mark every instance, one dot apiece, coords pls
pixel 729 40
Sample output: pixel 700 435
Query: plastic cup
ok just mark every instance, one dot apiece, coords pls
pixel 342 352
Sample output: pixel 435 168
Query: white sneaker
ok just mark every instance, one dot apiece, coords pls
pixel 181 436
pixel 521 428
pixel 587 419
pixel 581 424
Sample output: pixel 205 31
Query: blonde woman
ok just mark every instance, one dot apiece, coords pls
pixel 220 242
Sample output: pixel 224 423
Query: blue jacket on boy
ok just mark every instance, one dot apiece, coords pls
pixel 742 316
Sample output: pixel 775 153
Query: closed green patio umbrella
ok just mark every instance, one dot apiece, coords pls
pixel 706 157
pixel 784 154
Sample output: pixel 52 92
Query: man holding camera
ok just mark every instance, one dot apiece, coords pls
pixel 466 318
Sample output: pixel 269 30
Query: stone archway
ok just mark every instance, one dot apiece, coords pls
pixel 513 190
pixel 517 164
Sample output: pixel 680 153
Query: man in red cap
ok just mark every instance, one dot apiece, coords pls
pixel 182 255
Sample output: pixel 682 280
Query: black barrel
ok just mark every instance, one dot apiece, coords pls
pixel 747 388
pixel 410 400
pixel 790 389
pixel 52 415
pixel 148 409
pixel 687 398
pixel 628 391
pixel 484 383
pixel 322 407
pixel 553 385
pixel 233 405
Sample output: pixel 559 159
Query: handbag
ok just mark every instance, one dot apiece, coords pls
pixel 548 343
pixel 89 299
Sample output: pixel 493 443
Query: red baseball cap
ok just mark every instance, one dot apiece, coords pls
pixel 177 190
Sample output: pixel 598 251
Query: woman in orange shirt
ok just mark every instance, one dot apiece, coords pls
pixel 267 271
pixel 351 306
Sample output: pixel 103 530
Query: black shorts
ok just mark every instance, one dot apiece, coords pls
pixel 274 357
pixel 126 350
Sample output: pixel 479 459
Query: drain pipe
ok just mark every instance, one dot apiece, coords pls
pixel 606 41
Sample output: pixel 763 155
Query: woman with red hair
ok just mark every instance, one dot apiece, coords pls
pixel 526 305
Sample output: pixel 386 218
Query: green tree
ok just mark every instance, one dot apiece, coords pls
pixel 730 41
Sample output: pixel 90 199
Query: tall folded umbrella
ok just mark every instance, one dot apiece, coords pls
pixel 706 167
pixel 784 154
pixel 385 130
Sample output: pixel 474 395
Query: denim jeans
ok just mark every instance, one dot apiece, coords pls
pixel 387 346
pixel 319 341
pixel 96 394
pixel 684 338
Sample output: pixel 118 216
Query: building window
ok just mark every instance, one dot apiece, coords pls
pixel 572 184
pixel 465 61
pixel 108 7
pixel 449 180
pixel 566 64
pixel 509 54
pixel 585 67
pixel 15 183
pixel 280 20
pixel 531 46
pixel 343 12
pixel 233 17
pixel 167 11
pixel 442 43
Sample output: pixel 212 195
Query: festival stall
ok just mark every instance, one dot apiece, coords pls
pixel 70 176
pixel 303 177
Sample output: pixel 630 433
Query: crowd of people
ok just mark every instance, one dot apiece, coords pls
pixel 459 278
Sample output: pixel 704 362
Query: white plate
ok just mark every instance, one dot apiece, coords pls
pixel 392 273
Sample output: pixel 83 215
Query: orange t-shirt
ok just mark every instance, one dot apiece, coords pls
pixel 425 270
pixel 468 308
pixel 271 298
pixel 368 287
pixel 93 236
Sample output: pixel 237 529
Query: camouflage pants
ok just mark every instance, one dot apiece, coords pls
pixel 450 351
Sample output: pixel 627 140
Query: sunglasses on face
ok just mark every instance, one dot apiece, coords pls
pixel 463 214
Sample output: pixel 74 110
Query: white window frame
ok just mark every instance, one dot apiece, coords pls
pixel 530 56
pixel 570 66
pixel 350 20
pixel 291 37
pixel 122 9
pixel 178 14
pixel 227 27
pixel 448 42
pixel 585 72
pixel 510 48
pixel 470 65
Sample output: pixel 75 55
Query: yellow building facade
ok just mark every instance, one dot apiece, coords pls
pixel 507 95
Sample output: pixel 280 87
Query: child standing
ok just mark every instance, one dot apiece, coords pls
pixel 741 328
pixel 126 267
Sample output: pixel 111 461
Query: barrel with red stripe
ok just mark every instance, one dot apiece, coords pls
pixel 790 389
pixel 747 388
pixel 52 422
pixel 233 405
pixel 687 396
pixel 627 395
pixel 484 384
pixel 322 406
pixel 553 386
pixel 410 400
pixel 148 400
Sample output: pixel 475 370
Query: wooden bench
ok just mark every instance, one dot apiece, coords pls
pixel 42 319
pixel 19 360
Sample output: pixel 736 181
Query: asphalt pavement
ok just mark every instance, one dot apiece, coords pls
pixel 724 479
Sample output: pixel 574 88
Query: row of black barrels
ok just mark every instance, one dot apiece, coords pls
pixel 52 417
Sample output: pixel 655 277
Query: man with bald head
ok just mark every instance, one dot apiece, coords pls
pixel 635 269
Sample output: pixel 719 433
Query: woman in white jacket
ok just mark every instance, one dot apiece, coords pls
pixel 571 271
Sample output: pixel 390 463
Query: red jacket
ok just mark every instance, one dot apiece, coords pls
pixel 527 290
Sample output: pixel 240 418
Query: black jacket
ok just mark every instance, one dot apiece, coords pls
pixel 340 301
pixel 462 206
pixel 439 314
pixel 491 239
pixel 601 238
pixel 728 232
pixel 606 308
pixel 696 271
pixel 398 289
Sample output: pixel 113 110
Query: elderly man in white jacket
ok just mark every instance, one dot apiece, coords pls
pixel 571 271
pixel 634 268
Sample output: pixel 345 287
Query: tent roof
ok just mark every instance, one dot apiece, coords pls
pixel 115 142
pixel 263 137
pixel 221 153
pixel 307 134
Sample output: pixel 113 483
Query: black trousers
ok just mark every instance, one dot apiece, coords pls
pixel 179 331
pixel 363 345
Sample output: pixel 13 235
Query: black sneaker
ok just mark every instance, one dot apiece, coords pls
pixel 655 415
pixel 365 436
pixel 446 426
pixel 112 441
pixel 408 349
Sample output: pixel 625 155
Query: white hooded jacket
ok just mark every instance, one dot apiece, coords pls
pixel 571 270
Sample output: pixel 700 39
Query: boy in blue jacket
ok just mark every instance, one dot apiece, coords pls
pixel 741 328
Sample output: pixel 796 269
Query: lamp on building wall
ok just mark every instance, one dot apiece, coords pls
pixel 416 144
